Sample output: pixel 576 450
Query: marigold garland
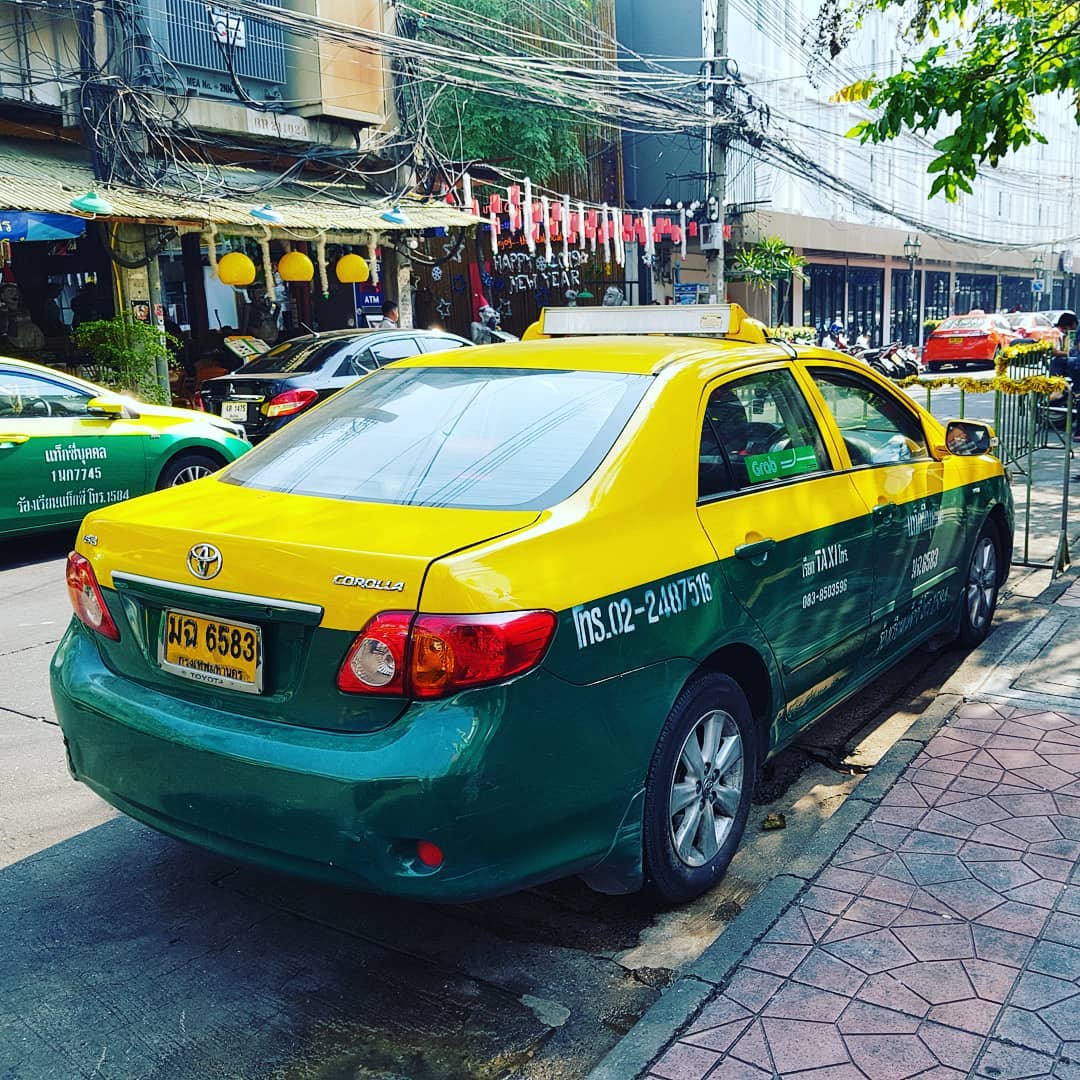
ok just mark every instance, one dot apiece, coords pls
pixel 1029 384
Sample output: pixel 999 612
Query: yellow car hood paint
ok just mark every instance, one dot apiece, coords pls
pixel 352 559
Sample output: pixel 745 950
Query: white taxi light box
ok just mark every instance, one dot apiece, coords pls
pixel 714 319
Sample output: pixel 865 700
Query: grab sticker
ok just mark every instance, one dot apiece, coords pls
pixel 777 464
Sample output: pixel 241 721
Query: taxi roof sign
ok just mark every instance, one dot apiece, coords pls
pixel 714 320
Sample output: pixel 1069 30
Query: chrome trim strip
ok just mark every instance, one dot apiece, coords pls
pixel 195 590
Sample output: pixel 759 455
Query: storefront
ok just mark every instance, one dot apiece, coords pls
pixel 154 256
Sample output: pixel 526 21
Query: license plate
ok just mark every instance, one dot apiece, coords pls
pixel 212 651
pixel 955 340
pixel 234 410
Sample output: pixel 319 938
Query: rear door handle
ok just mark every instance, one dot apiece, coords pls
pixel 884 511
pixel 9 442
pixel 756 552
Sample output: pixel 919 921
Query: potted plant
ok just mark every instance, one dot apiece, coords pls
pixel 129 355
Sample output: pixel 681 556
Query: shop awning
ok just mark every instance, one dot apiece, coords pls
pixel 19 225
pixel 44 179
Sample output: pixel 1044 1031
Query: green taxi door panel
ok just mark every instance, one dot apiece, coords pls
pixel 918 524
pixel 57 461
pixel 793 537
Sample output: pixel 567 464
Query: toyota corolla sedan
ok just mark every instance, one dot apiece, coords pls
pixel 68 446
pixel 968 339
pixel 469 627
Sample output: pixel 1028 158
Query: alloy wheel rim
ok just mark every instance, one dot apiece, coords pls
pixel 706 788
pixel 981 582
pixel 192 472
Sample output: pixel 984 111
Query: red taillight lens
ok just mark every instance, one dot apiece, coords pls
pixel 198 402
pixel 376 661
pixel 289 402
pixel 86 597
pixel 443 653
pixel 453 652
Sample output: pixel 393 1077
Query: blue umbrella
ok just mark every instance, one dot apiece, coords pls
pixel 19 225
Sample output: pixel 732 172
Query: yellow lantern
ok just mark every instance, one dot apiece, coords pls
pixel 295 266
pixel 350 268
pixel 236 268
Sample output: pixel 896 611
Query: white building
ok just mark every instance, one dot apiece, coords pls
pixel 848 207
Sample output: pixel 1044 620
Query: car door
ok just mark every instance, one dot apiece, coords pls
pixel 792 534
pixel 918 524
pixel 56 460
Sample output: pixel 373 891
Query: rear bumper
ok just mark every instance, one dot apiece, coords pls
pixel 486 776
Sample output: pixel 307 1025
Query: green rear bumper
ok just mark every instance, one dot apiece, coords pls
pixel 518 783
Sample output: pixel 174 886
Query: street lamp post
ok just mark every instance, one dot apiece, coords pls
pixel 911 253
pixel 1037 275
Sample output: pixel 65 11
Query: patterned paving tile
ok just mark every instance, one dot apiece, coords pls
pixel 942 941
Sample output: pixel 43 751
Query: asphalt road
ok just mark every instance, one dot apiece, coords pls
pixel 126 954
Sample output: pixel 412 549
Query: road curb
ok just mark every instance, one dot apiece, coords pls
pixel 634 1052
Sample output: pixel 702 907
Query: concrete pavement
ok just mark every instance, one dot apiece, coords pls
pixel 932 929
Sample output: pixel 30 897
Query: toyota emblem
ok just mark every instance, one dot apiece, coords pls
pixel 204 561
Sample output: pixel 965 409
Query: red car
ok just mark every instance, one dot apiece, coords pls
pixel 1035 326
pixel 968 339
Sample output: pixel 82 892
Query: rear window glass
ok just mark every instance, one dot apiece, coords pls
pixel 292 357
pixel 479 438
pixel 965 322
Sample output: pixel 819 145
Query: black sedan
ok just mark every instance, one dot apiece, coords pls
pixel 267 392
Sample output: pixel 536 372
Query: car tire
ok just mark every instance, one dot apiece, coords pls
pixel 933 366
pixel 978 600
pixel 186 467
pixel 710 728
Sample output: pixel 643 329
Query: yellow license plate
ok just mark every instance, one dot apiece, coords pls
pixel 955 340
pixel 212 651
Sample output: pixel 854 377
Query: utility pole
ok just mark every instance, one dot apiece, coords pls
pixel 714 44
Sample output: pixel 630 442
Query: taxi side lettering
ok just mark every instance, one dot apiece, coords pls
pixel 597 623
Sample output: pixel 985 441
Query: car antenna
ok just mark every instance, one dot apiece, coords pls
pixel 313 333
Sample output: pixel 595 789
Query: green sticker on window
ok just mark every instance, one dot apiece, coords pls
pixel 780 463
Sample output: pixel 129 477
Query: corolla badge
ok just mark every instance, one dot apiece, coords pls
pixel 204 561
pixel 356 582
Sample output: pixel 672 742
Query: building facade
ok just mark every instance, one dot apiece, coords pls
pixel 848 208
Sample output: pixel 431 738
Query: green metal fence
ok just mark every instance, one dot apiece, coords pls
pixel 1027 425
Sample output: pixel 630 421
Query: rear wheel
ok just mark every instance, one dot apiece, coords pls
pixel 187 467
pixel 933 366
pixel 979 599
pixel 699 786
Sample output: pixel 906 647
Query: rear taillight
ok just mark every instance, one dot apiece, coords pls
pixel 376 661
pixel 86 597
pixel 290 401
pixel 431 656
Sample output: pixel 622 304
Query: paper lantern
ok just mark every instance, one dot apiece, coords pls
pixel 236 268
pixel 295 266
pixel 351 268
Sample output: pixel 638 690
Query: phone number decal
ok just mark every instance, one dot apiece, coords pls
pixel 826 592
pixel 597 623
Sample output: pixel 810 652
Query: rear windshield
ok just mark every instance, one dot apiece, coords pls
pixel 965 322
pixel 479 438
pixel 293 357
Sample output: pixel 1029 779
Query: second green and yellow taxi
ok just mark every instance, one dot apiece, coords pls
pixel 470 626
pixel 68 446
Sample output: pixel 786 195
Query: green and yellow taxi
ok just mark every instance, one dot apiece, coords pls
pixel 467 627
pixel 68 447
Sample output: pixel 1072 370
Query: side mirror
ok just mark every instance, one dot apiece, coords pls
pixel 109 407
pixel 969 438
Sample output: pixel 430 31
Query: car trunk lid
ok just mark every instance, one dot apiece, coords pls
pixel 291 579
pixel 241 398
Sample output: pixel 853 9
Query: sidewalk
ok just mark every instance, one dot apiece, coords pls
pixel 932 930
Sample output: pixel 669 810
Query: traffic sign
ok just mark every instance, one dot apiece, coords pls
pixel 1037 285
